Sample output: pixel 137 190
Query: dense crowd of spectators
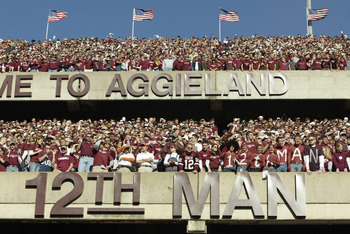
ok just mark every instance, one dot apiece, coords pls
pixel 154 54
pixel 172 145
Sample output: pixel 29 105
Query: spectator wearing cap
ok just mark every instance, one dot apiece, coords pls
pixel 63 162
pixel 125 160
pixel 47 159
pixel 145 159
pixel 171 160
pixel 214 164
pixel 343 141
pixel 12 158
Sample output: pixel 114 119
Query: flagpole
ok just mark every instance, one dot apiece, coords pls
pixel 132 30
pixel 219 26
pixel 47 27
pixel 308 22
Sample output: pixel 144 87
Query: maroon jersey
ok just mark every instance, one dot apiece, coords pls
pixel 271 63
pixel 76 157
pixel 204 156
pixel 102 158
pixel 63 162
pixel 54 64
pixel 342 65
pixel 79 66
pixel 43 67
pixel 326 63
pixel 230 64
pixel 339 161
pixel 144 64
pixel 88 64
pixel 244 158
pixel 284 66
pixel 229 159
pixel 257 161
pixel 301 65
pixel 2 166
pixel 188 161
pixel 13 158
pixel 238 63
pixel 296 153
pixel 246 65
pixel 86 149
pixel 157 149
pixel 282 153
pixel 313 154
pixel 271 160
pixel 317 64
pixel 187 65
pixel 34 158
pixel 251 146
pixel 178 65
pixel 255 64
pixel 214 160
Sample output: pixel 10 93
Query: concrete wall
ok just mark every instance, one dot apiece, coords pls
pixel 327 198
pixel 223 85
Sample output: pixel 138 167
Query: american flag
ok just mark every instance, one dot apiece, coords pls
pixel 317 14
pixel 142 14
pixel 55 15
pixel 229 16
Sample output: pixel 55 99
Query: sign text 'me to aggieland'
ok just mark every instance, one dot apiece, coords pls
pixel 181 187
pixel 143 85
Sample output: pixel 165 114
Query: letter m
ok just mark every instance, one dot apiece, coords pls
pixel 182 184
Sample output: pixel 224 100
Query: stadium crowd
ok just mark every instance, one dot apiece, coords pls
pixel 158 53
pixel 152 145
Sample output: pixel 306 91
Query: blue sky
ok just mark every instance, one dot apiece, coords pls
pixel 24 19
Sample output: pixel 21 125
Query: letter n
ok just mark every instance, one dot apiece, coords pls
pixel 297 207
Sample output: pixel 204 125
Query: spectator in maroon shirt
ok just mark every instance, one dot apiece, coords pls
pixel 301 64
pixel 316 62
pixel 271 64
pixel 43 66
pixel 54 64
pixel 246 64
pixel 284 65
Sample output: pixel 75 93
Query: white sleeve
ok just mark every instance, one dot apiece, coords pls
pixel 200 164
pixel 307 162
pixel 25 154
pixel 348 162
pixel 207 163
pixel 166 160
pixel 321 162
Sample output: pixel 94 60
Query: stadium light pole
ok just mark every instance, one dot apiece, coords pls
pixel 308 22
